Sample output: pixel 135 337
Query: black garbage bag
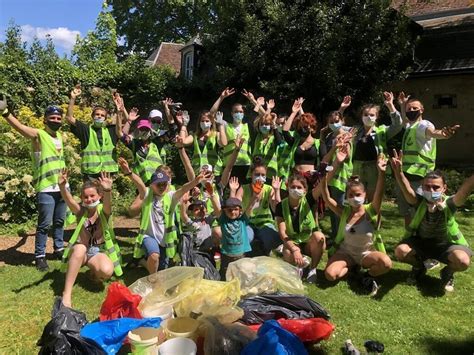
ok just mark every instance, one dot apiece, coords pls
pixel 61 334
pixel 258 309
pixel 192 257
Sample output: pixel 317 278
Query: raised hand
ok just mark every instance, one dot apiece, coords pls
pixel 166 102
pixel 346 102
pixel 179 142
pixel 186 200
pixel 123 164
pixel 270 104
pixel 382 162
pixel 63 177
pixel 248 95
pixel 227 92
pixel 402 99
pixel 234 183
pixel 239 141
pixel 219 118
pixel 105 181
pixel 118 100
pixel 396 161
pixel 3 103
pixel 133 114
pixel 388 98
pixel 449 131
pixel 186 118
pixel 342 153
pixel 204 175
pixel 276 182
pixel 297 105
pixel 76 91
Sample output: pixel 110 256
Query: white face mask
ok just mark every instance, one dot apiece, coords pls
pixel 259 178
pixel 238 117
pixel 205 126
pixel 99 121
pixel 369 120
pixel 296 193
pixel 335 126
pixel 91 205
pixel 356 201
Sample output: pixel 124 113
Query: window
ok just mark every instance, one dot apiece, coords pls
pixel 188 65
pixel 445 101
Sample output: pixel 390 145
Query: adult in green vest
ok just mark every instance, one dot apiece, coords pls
pixel 419 148
pixel 265 198
pixel 358 244
pixel 48 160
pixel 93 242
pixel 298 228
pixel 371 140
pixel 98 140
pixel 158 236
pixel 433 233
pixel 209 136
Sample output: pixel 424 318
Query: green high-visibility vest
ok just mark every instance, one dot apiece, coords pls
pixel 416 161
pixel 295 146
pixel 267 151
pixel 261 215
pixel 344 172
pixel 244 154
pixel 307 223
pixel 171 235
pixel 284 158
pixel 51 161
pixel 376 237
pixel 112 249
pixel 454 234
pixel 96 158
pixel 146 166
pixel 208 155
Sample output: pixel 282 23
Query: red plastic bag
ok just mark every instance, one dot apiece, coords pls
pixel 119 303
pixel 307 330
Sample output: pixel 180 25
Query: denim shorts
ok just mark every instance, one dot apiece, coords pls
pixel 92 251
pixel 150 245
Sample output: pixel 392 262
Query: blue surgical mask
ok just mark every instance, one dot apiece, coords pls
pixel 238 117
pixel 265 129
pixel 99 121
pixel 432 196
pixel 335 126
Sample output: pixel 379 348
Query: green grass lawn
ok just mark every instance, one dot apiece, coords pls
pixel 407 319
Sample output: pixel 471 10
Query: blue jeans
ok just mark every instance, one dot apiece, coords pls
pixel 51 211
pixel 338 196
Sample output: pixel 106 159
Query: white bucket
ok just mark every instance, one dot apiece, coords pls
pixel 178 346
pixel 181 327
pixel 143 340
pixel 162 312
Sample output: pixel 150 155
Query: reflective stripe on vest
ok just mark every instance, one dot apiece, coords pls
pixel 96 158
pixel 376 237
pixel 145 167
pixel 171 235
pixel 268 151
pixel 51 162
pixel 454 234
pixel 112 249
pixel 244 154
pixel 307 222
pixel 261 215
pixel 208 155
pixel 415 161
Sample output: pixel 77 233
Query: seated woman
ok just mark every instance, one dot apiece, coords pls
pixel 93 242
pixel 297 226
pixel 433 232
pixel 260 213
pixel 357 243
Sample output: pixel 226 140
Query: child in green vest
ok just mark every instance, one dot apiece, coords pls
pixel 93 242
pixel 433 233
pixel 298 228
pixel 357 243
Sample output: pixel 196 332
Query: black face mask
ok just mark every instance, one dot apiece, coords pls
pixel 413 115
pixel 54 126
pixel 303 132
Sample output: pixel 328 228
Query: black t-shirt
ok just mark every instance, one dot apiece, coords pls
pixel 81 131
pixel 295 212
pixel 365 149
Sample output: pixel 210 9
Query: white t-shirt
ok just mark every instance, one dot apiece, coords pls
pixel 156 226
pixel 422 139
pixel 37 158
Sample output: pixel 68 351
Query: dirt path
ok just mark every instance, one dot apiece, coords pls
pixel 15 250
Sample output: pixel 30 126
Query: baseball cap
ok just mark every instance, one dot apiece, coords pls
pixel 144 124
pixel 159 176
pixel 53 110
pixel 232 202
pixel 155 113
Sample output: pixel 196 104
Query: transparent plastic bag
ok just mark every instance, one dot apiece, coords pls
pixel 264 274
pixel 166 287
pixel 225 339
pixel 212 298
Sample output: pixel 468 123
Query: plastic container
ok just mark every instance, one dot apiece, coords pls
pixel 178 346
pixel 181 327
pixel 143 340
pixel 164 312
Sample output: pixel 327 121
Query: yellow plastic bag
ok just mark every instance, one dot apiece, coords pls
pixel 166 287
pixel 212 298
pixel 264 274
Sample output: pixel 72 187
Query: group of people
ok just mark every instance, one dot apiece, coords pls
pixel 255 185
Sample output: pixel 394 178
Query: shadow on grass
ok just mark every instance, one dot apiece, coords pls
pixel 436 346
pixel 57 282
pixel 12 256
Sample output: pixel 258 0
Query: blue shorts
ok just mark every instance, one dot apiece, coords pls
pixel 150 245
pixel 92 251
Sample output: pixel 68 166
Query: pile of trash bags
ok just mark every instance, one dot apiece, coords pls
pixel 261 308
